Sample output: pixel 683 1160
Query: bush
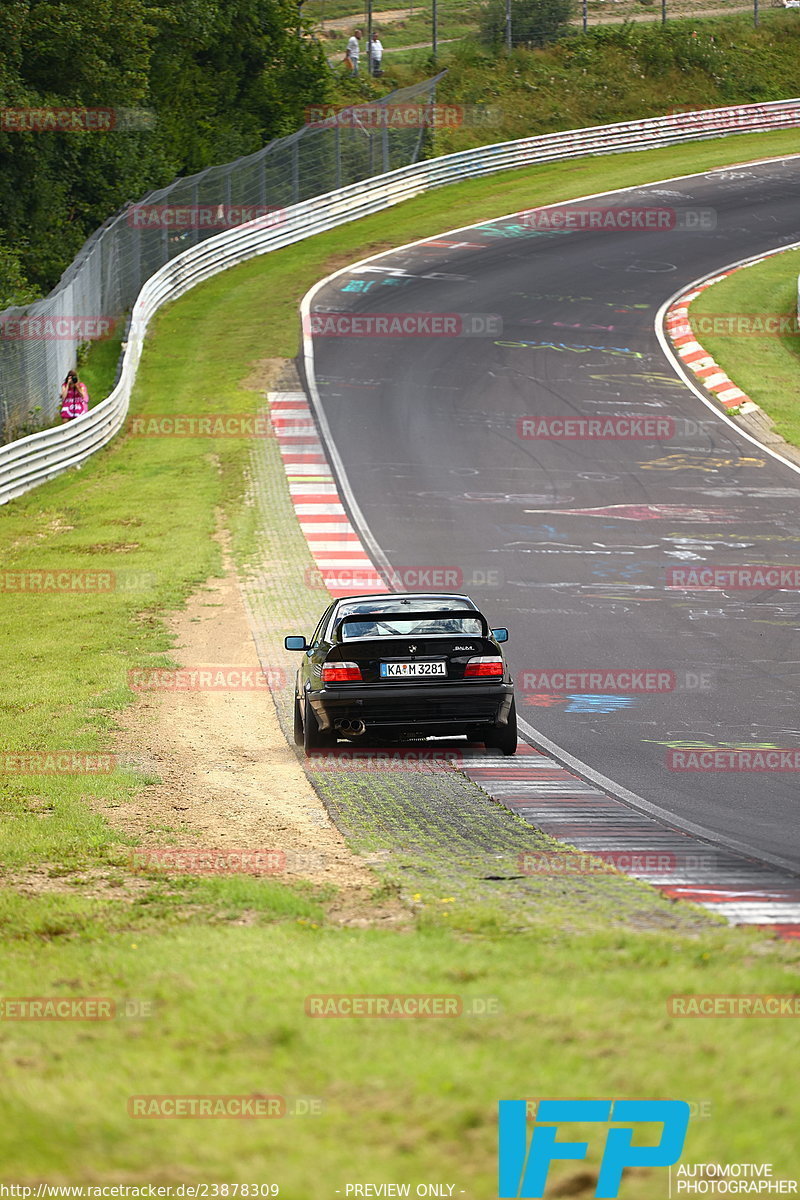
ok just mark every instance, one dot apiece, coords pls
pixel 14 287
pixel 533 22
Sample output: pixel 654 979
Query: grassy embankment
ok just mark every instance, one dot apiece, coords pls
pixel 765 366
pixel 614 72
pixel 583 1002
pixel 401 25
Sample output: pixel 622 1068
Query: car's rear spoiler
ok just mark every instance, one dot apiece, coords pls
pixel 436 615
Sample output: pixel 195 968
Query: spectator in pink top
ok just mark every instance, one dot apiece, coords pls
pixel 74 397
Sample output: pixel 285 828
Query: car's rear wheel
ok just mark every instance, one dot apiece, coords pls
pixel 504 737
pixel 313 737
pixel 298 723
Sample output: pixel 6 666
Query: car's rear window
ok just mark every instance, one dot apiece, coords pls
pixel 393 607
pixel 416 625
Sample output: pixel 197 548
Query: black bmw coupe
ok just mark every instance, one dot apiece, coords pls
pixel 403 666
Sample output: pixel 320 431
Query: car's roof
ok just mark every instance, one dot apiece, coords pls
pixel 446 597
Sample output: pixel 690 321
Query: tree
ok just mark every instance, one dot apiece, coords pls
pixel 220 77
pixel 14 287
pixel 533 22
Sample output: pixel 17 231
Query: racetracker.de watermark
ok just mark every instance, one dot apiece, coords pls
pixel 83 582
pixel 642 680
pixel 618 218
pixel 747 577
pixel 620 428
pixel 394 324
pixel 745 324
pixel 208 425
pixel 212 678
pixel 611 862
pixel 751 759
pixel 399 116
pixel 66 119
pixel 420 577
pixel 57 328
pixel 57 120
pixel 400 1005
pixel 223 1107
pixel 57 762
pixel 697 1108
pixel 389 758
pixel 72 1008
pixel 742 1004
pixel 203 216
pixel 203 861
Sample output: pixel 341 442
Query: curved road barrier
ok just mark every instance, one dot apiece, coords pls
pixel 40 456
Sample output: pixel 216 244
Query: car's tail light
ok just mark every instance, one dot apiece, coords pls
pixel 341 672
pixel 484 668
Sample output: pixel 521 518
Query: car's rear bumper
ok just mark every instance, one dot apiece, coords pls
pixel 425 709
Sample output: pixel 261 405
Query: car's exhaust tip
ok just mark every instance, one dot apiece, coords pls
pixel 351 728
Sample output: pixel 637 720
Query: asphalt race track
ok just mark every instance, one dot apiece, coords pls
pixel 570 540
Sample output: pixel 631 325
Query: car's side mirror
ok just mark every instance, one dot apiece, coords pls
pixel 500 635
pixel 295 643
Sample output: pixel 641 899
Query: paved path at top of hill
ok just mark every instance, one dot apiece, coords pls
pixel 391 14
pixel 612 18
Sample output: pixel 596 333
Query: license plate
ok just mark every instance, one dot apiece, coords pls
pixel 406 670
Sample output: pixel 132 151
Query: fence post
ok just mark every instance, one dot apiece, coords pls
pixel 295 172
pixel 195 214
pixel 369 37
pixel 136 248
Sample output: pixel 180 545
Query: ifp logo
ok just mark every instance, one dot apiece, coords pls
pixel 523 1168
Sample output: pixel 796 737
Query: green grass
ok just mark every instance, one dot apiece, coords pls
pixel 226 963
pixel 615 72
pixel 767 368
pixel 459 19
pixel 622 72
pixel 404 1100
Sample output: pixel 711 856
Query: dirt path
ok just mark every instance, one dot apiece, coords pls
pixel 229 780
pixel 381 19
pixel 654 14
pixel 419 45
pixel 378 18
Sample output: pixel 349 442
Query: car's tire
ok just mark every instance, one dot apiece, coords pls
pixel 298 723
pixel 504 737
pixel 313 738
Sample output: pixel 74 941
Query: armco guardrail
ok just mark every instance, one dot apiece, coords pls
pixel 40 456
pixel 39 342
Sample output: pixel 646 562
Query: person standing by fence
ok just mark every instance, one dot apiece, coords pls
pixel 353 51
pixel 74 397
pixel 375 55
